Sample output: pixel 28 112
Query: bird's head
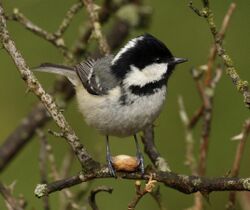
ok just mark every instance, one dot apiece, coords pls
pixel 144 59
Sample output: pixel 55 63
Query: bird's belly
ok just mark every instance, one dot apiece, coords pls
pixel 110 117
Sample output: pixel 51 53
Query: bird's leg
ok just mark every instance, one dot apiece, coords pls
pixel 139 155
pixel 109 158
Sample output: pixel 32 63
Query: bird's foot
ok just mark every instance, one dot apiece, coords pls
pixel 141 162
pixel 110 166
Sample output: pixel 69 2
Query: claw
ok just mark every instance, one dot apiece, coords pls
pixel 110 166
pixel 109 159
pixel 139 155
pixel 141 162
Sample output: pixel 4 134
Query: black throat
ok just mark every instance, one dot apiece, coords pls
pixel 149 88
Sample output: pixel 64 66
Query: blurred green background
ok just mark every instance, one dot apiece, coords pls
pixel 187 36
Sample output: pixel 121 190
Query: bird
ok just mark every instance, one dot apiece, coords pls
pixel 119 95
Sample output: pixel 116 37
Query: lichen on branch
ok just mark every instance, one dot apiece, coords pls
pixel 241 85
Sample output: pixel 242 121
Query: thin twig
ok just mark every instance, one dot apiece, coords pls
pixel 108 8
pixel 92 201
pixel 42 165
pixel 56 134
pixel 150 149
pixel 221 34
pixel 196 117
pixel 198 202
pixel 68 195
pixel 72 11
pixel 28 24
pixel 206 108
pixel 156 194
pixel 238 157
pixel 141 192
pixel 190 158
pixel 241 85
pixel 208 95
pixel 244 200
pixel 11 202
pixel 20 136
pixel 94 18
pixel 67 164
pixel 55 38
pixel 33 84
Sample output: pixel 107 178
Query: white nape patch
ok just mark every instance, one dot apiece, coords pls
pixel 150 73
pixel 128 46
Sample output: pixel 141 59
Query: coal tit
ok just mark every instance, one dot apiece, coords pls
pixel 120 95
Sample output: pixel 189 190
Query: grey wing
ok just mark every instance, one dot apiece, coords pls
pixel 96 75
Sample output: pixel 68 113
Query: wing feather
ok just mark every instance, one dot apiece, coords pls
pixel 85 71
pixel 95 75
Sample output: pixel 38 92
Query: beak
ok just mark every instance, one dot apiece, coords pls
pixel 179 60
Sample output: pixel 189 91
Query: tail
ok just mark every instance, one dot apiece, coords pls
pixel 59 69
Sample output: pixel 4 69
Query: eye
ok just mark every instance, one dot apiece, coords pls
pixel 158 60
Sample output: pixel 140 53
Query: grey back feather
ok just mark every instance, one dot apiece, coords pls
pixel 96 76
pixel 102 70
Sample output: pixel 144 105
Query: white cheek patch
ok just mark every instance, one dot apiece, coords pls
pixel 151 73
pixel 128 46
pixel 155 71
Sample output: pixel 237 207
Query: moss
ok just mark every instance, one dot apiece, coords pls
pixel 228 61
pixel 41 190
pixel 196 182
pixel 242 86
pixel 231 72
pixel 162 165
pixel 246 183
pixel 185 178
pixel 231 183
pixel 81 177
pixel 204 12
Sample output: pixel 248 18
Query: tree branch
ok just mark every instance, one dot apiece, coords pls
pixel 33 84
pixel 38 117
pixel 183 183
pixel 221 34
pixel 11 202
pixel 156 195
pixel 92 201
pixel 55 38
pixel 242 86
pixel 94 18
pixel 196 117
pixel 150 149
pixel 242 137
pixel 21 135
pixel 68 195
pixel 43 165
pixel 244 200
pixel 141 192
pixel 206 89
pixel 190 158
pixel 72 11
